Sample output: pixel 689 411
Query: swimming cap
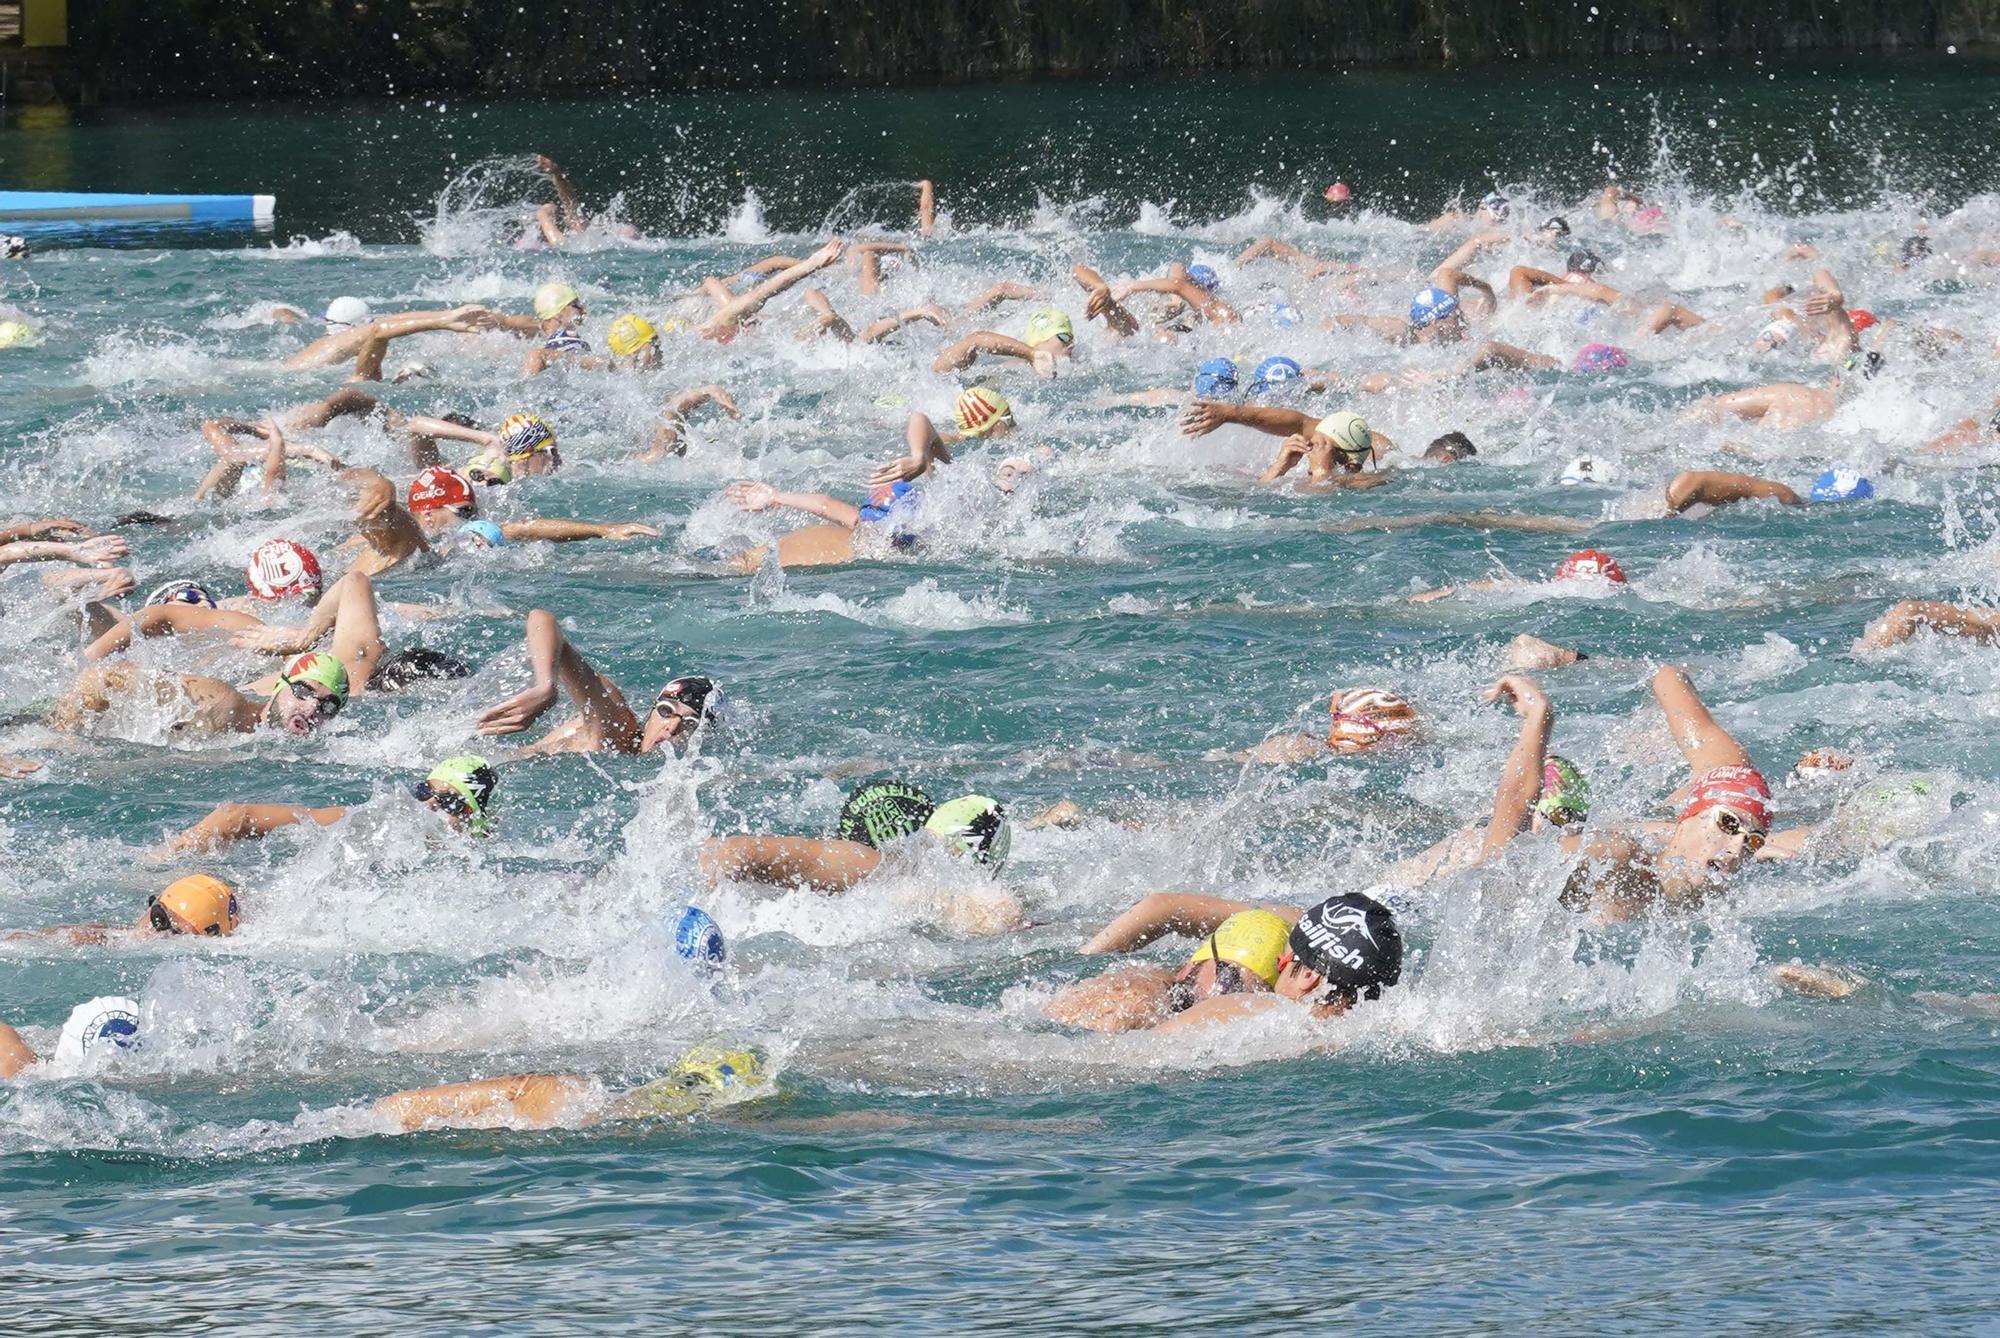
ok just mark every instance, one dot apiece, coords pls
pixel 883 811
pixel 12 247
pixel 1215 377
pixel 1347 431
pixel 199 904
pixel 490 468
pixel 1600 358
pixel 566 341
pixel 1590 562
pixel 975 825
pixel 1339 193
pixel 1253 940
pixel 1778 333
pixel 1649 219
pixel 1430 306
pixel 695 692
pixel 1565 793
pixel 889 498
pixel 321 667
pixel 1451 447
pixel 441 486
pixel 1860 319
pixel 702 1078
pixel 1048 324
pixel 1585 263
pixel 1496 203
pixel 551 299
pixel 628 334
pixel 1204 278
pixel 470 777
pixel 485 531
pixel 99 1027
pixel 1272 373
pixel 525 433
pixel 1586 469
pixel 1741 788
pixel 414 663
pixel 347 311
pixel 979 410
pixel 1352 941
pixel 698 938
pixel 1555 223
pixel 1283 314
pixel 1364 717
pixel 1869 364
pixel 1840 485
pixel 181 592
pixel 16 334
pixel 280 567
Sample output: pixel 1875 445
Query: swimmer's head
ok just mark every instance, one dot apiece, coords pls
pixel 279 568
pixel 530 443
pixel 1495 207
pixel 1565 798
pixel 197 904
pixel 704 1077
pixel 311 689
pixel 1600 358
pixel 461 788
pixel 1840 485
pixel 1339 193
pixel 1590 564
pixel 1450 448
pixel 17 334
pixel 1861 320
pixel 13 247
pixel 191 593
pixel 1047 324
pixel 1436 311
pixel 1273 374
pixel 634 337
pixel 698 938
pixel 481 534
pixel 1204 278
pixel 889 500
pixel 973 825
pixel 98 1029
pixel 414 664
pixel 489 469
pixel 557 302
pixel 1583 264
pixel 1916 248
pixel 1364 718
pixel 1250 940
pixel 1347 433
pixel 1726 820
pixel 1553 231
pixel 345 312
pixel 1215 378
pixel 441 495
pixel 982 411
pixel 880 812
pixel 684 705
pixel 1342 951
pixel 1776 335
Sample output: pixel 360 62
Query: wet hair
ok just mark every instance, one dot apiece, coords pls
pixel 1916 248
pixel 460 420
pixel 414 665
pixel 1451 447
pixel 142 518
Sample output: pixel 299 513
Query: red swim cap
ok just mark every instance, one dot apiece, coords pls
pixel 1590 562
pixel 440 486
pixel 1860 319
pixel 1741 788
pixel 1339 192
pixel 281 567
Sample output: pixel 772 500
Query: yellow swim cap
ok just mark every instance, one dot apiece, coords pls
pixel 1048 324
pixel 15 334
pixel 1347 431
pixel 1252 940
pixel 551 298
pixel 196 904
pixel 705 1076
pixel 979 410
pixel 628 334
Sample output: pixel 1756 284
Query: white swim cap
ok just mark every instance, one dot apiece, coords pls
pixel 1586 469
pixel 347 311
pixel 100 1027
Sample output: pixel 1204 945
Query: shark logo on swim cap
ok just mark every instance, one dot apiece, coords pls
pixel 1352 941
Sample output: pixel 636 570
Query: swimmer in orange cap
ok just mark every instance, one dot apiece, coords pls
pixel 197 905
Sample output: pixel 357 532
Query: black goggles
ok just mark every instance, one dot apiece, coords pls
pixel 327 706
pixel 445 797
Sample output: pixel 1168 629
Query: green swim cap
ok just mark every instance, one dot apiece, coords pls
pixel 883 811
pixel 975 825
pixel 470 777
pixel 321 668
pixel 1048 324
pixel 705 1076
pixel 1565 792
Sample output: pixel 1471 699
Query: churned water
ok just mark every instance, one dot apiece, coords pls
pixel 1547 1126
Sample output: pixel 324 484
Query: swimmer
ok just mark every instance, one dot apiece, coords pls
pixel 232 458
pixel 1047 339
pixel 1238 954
pixel 1192 290
pixel 733 313
pixel 1692 488
pixel 525 444
pixel 441 502
pixel 198 905
pixel 459 788
pixel 702 1081
pixel 558 224
pixel 96 1031
pixel 1360 720
pixel 1310 267
pixel 1580 283
pixel 669 438
pixel 1436 315
pixel 1787 405
pixel 1907 617
pixel 1586 564
pixel 1450 448
pixel 1335 448
pixel 604 722
pixel 368 343
pixel 978 413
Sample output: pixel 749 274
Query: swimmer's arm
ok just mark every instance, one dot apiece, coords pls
pixel 572 207
pixel 745 305
pixel 1450 272
pixel 43 529
pixel 821 505
pixel 789 861
pixel 1189 914
pixel 1204 416
pixel 1493 354
pixel 1222 1008
pixel 1587 290
pixel 673 422
pixel 1521 779
pixel 443 429
pixel 545 645
pixel 1283 750
pixel 925 448
pixel 1788 844
pixel 381 521
pixel 1100 303
pixel 534 1098
pixel 1720 489
pixel 166 620
pixel 1004 291
pixel 75 936
pixel 1705 744
pixel 1963 433
pixel 551 530
pixel 1525 279
pixel 967 350
pixel 1386 326
pixel 14 1053
pixel 926 209
pixel 103 551
pixel 229 823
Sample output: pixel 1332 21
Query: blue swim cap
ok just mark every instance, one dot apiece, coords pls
pixel 1272 373
pixel 885 502
pixel 698 938
pixel 1215 377
pixel 1283 314
pixel 562 341
pixel 1204 278
pixel 484 529
pixel 1841 485
pixel 1431 306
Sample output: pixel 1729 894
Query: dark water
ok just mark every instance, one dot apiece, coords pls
pixel 1547 1127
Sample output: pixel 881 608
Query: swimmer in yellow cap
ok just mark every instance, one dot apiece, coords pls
pixel 1335 448
pixel 980 412
pixel 705 1079
pixel 1048 338
pixel 1239 946
pixel 198 905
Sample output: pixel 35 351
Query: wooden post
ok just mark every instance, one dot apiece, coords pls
pixel 45 23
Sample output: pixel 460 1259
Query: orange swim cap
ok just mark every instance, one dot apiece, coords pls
pixel 196 904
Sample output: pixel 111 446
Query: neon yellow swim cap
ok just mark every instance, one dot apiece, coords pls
pixel 17 334
pixel 628 334
pixel 551 298
pixel 318 667
pixel 1253 940
pixel 973 825
pixel 705 1076
pixel 1048 324
pixel 472 778
pixel 980 410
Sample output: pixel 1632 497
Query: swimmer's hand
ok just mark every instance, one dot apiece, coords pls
pixel 106 550
pixel 92 582
pixel 630 530
pixel 519 711
pixel 48 529
pixel 1522 692
pixel 750 494
pixel 18 768
pixel 1201 418
pixel 1815 982
pixel 899 470
pixel 470 318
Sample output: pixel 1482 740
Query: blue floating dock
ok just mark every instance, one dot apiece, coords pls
pixel 40 206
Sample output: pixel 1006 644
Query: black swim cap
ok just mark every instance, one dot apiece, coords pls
pixel 1451 446
pixel 1352 941
pixel 883 811
pixel 694 692
pixel 414 664
pixel 1584 262
pixel 1555 223
pixel 1916 248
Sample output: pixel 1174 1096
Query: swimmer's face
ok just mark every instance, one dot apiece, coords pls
pixel 537 462
pixel 1447 331
pixel 1715 841
pixel 439 521
pixel 569 317
pixel 300 708
pixel 648 358
pixel 670 723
